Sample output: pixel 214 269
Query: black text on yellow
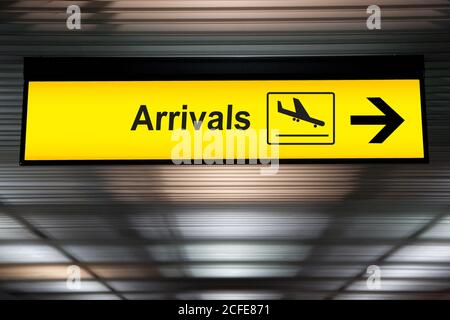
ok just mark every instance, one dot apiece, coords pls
pixel 216 120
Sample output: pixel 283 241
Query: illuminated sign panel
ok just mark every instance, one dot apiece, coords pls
pixel 202 109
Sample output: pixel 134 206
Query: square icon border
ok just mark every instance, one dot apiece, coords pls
pixel 308 143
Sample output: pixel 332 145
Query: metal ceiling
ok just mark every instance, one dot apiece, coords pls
pixel 147 232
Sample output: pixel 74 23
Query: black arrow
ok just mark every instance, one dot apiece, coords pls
pixel 390 119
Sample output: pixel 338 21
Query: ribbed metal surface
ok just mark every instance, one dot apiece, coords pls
pixel 197 232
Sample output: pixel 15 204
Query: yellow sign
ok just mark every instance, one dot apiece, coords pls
pixel 150 120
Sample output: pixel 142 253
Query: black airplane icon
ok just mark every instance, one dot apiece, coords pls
pixel 299 114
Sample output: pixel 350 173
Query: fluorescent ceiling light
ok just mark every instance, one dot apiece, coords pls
pixel 89 253
pixel 244 252
pixel 401 285
pixel 247 224
pixel 28 253
pixel 352 253
pixel 76 296
pixel 52 286
pixel 240 271
pixel 230 295
pixel 422 253
pixel 415 271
